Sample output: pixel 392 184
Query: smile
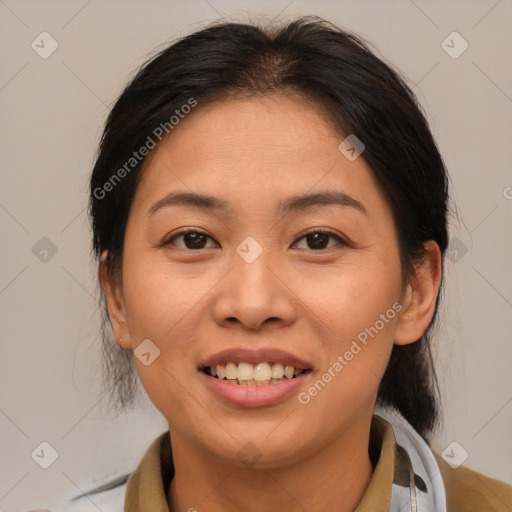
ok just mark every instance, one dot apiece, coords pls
pixel 247 374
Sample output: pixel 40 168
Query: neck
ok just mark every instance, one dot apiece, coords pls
pixel 332 479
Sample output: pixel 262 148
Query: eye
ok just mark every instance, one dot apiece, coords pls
pixel 192 239
pixel 318 239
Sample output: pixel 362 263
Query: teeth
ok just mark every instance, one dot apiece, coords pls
pixel 245 371
pixel 221 372
pixel 288 372
pixel 262 374
pixel 231 371
pixel 277 371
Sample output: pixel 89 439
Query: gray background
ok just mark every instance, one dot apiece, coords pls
pixel 52 114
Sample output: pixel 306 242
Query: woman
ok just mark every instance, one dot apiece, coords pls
pixel 269 212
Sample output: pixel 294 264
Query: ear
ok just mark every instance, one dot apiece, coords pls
pixel 112 290
pixel 420 296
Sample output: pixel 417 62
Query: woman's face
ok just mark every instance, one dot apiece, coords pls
pixel 257 279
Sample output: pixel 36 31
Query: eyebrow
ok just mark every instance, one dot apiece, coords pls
pixel 291 204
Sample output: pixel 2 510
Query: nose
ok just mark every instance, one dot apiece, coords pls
pixel 255 295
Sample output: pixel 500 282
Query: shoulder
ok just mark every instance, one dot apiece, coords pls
pixel 467 489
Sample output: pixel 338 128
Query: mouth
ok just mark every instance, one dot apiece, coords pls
pixel 254 378
pixel 264 367
pixel 248 374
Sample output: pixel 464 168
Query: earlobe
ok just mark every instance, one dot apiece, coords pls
pixel 420 296
pixel 115 304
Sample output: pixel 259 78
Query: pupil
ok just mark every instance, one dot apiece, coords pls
pixel 317 239
pixel 195 239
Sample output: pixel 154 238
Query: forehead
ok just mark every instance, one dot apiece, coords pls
pixel 254 150
pixel 274 126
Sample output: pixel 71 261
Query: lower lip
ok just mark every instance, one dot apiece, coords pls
pixel 254 396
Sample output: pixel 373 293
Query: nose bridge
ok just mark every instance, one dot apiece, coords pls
pixel 253 280
pixel 253 291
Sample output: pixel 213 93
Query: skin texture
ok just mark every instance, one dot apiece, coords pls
pixel 193 303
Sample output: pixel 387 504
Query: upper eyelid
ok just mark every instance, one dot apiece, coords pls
pixel 185 231
pixel 299 237
pixel 324 231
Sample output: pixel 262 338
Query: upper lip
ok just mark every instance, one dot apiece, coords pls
pixel 263 355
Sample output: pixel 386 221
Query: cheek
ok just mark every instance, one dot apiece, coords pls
pixel 157 299
pixel 356 310
pixel 350 297
pixel 163 308
pixel 355 357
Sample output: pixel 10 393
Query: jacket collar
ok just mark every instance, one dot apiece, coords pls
pixel 147 486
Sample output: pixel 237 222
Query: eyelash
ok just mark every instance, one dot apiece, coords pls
pixel 185 231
